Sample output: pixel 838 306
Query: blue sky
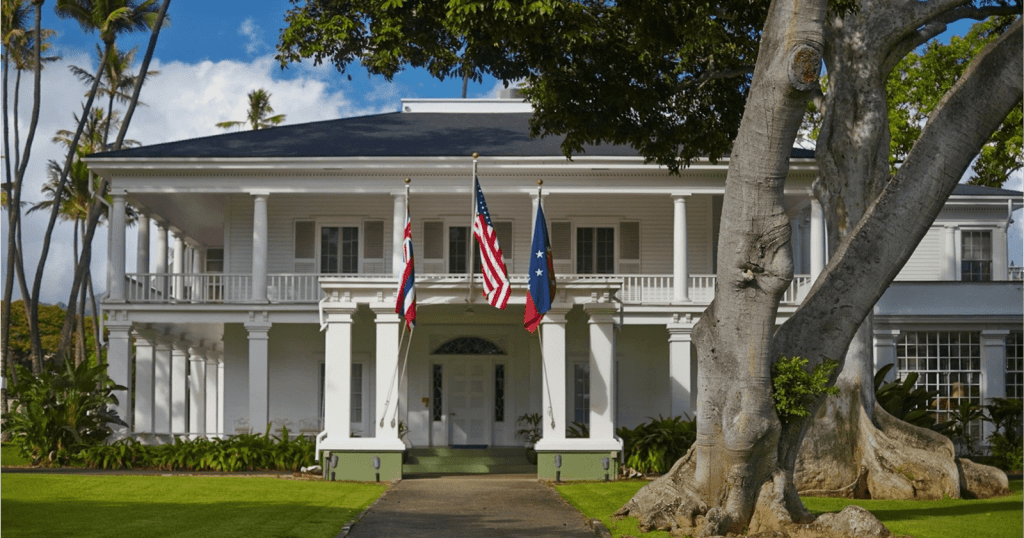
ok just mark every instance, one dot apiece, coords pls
pixel 213 53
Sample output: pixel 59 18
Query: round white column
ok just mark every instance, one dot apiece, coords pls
pixel 259 248
pixel 680 268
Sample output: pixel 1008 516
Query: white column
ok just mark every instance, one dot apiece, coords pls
pixel 220 397
pixel 119 366
pixel 993 373
pixel 115 260
pixel 144 362
pixel 259 376
pixel 817 239
pixel 160 282
pixel 178 282
pixel 553 382
pixel 602 371
pixel 338 375
pixel 198 268
pixel 949 269
pixel 259 248
pixel 179 380
pixel 162 357
pixel 797 241
pixel 387 324
pixel 142 245
pixel 398 235
pixel 999 257
pixel 197 392
pixel 212 395
pixel 885 351
pixel 680 367
pixel 680 264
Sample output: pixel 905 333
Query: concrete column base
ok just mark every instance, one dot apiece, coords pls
pixel 578 466
pixel 358 466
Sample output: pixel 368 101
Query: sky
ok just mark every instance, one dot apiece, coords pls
pixel 213 53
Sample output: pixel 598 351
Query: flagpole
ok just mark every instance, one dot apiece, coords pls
pixel 540 339
pixel 469 240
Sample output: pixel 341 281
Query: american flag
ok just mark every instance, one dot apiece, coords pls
pixel 405 306
pixel 496 285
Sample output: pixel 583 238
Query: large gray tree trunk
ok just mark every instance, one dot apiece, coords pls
pixel 854 448
pixel 740 473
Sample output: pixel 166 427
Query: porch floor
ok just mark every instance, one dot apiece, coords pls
pixel 494 460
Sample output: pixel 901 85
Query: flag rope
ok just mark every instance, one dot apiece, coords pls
pixel 405 363
pixel 547 382
pixel 391 386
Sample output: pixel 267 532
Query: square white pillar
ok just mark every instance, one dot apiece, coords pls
pixel 553 381
pixel 212 394
pixel 179 392
pixel 388 364
pixel 993 373
pixel 162 352
pixel 680 360
pixel 338 374
pixel 602 370
pixel 885 351
pixel 259 376
pixel 197 392
pixel 119 367
pixel 144 377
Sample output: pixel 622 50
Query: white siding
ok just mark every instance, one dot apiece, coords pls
pixel 928 260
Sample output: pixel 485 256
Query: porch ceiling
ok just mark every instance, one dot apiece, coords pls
pixel 200 216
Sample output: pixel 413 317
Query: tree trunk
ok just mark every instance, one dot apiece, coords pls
pixel 743 455
pixel 852 450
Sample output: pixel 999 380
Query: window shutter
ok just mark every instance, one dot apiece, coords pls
pixel 629 247
pixel 305 246
pixel 561 246
pixel 433 247
pixel 503 229
pixel 373 246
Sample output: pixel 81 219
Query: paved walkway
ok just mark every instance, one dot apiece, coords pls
pixel 500 506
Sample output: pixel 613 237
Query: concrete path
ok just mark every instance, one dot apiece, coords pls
pixel 499 506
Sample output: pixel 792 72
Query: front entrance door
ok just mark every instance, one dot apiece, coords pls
pixel 469 394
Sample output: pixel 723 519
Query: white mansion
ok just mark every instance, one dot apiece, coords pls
pixel 269 296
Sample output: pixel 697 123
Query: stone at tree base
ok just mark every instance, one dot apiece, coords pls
pixel 979 481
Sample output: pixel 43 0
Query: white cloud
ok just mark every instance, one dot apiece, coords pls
pixel 254 36
pixel 184 101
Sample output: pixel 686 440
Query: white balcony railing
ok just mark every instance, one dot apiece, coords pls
pixel 1014 273
pixel 206 288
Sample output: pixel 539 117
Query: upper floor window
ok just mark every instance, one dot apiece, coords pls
pixel 600 250
pixel 595 251
pixel 976 261
pixel 356 247
pixel 215 260
pixel 446 249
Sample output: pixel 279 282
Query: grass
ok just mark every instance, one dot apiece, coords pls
pixel 178 506
pixel 11 456
pixel 988 518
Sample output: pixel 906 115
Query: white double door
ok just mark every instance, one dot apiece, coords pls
pixel 470 397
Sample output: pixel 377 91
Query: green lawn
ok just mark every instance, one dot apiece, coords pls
pixel 990 518
pixel 133 505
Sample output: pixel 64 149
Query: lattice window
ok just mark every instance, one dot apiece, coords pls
pixel 438 389
pixel 976 265
pixel 1015 365
pixel 469 345
pixel 946 362
pixel 499 392
pixel 581 393
pixel 356 394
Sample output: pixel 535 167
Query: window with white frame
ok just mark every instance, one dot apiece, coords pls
pixel 976 260
pixel 1015 365
pixel 581 393
pixel 946 362
pixel 446 247
pixel 356 247
pixel 606 247
pixel 595 250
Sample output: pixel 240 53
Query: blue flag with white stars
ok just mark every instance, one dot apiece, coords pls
pixel 542 274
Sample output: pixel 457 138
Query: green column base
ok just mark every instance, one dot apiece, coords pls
pixel 577 466
pixel 358 466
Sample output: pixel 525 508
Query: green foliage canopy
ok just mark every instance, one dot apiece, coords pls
pixel 669 79
pixel 920 80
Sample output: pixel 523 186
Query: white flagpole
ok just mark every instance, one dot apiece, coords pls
pixel 469 240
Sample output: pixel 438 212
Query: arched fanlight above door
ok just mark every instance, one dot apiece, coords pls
pixel 468 345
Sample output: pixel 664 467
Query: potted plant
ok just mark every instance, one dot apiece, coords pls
pixel 403 430
pixel 530 431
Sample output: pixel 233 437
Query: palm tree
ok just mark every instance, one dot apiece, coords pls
pixel 116 84
pixel 259 113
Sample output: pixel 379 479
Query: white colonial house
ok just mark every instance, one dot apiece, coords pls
pixel 264 285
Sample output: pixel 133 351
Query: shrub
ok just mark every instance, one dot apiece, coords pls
pixel 655 446
pixel 1006 442
pixel 578 430
pixel 531 431
pixel 63 411
pixel 907 403
pixel 248 452
pixel 794 388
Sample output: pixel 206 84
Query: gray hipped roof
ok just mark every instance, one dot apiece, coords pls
pixel 383 135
